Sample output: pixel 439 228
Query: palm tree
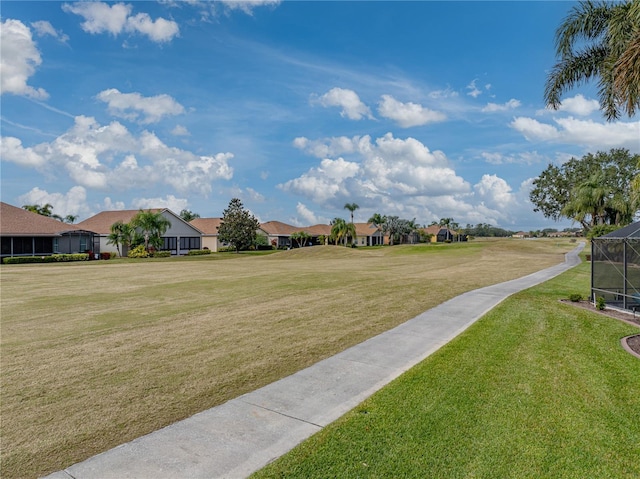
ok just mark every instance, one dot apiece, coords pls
pixel 188 215
pixel 115 236
pixel 378 220
pixel 152 226
pixel 338 229
pixel 351 207
pixel 611 32
pixel 44 210
pixel 588 202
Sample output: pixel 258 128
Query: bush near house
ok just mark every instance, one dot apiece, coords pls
pixel 54 258
pixel 198 252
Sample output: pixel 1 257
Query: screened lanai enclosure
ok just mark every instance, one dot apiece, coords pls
pixel 615 268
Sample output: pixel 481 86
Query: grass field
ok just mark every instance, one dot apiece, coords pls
pixel 535 389
pixel 95 354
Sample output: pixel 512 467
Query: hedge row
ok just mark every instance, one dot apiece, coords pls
pixel 54 258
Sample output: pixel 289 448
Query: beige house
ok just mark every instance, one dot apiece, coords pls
pixel 368 234
pixel 209 228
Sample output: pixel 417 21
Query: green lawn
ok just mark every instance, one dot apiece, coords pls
pixel 535 389
pixel 98 353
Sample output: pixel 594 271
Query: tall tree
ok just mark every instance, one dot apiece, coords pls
pixel 351 207
pixel 238 226
pixel 591 190
pixel 151 226
pixel 599 40
pixel 338 230
pixel 188 215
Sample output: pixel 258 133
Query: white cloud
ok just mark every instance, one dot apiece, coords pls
pixel 114 19
pixel 352 107
pixel 180 130
pixel 389 168
pixel 494 192
pixel 73 202
pixel 19 58
pixel 473 89
pixel 247 6
pixel 328 147
pixel 132 105
pixel 579 105
pixel 11 149
pixel 110 157
pixel 407 114
pixel 308 217
pixel 44 28
pixel 110 205
pixel 174 204
pixel 522 158
pixel 587 133
pixel 495 107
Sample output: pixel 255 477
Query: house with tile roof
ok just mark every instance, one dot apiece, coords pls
pixel 440 234
pixel 179 239
pixel 278 233
pixel 368 234
pixel 209 228
pixel 24 233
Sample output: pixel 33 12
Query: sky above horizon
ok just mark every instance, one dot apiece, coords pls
pixel 420 109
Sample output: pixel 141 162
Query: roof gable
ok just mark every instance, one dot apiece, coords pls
pixel 208 226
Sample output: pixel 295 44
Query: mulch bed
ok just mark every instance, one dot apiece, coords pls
pixel 633 342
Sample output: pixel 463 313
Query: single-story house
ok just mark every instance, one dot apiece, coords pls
pixel 440 234
pixel 368 234
pixel 278 233
pixel 521 235
pixel 209 228
pixel 24 233
pixel 180 237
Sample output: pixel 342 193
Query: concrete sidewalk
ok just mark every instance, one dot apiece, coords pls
pixel 243 435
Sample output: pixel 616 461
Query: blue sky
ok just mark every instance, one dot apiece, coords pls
pixel 418 109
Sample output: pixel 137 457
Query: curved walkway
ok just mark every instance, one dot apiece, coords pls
pixel 243 435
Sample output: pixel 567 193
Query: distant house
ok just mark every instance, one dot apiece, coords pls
pixel 521 235
pixel 441 234
pixel 279 233
pixel 23 233
pixel 209 228
pixel 368 234
pixel 179 239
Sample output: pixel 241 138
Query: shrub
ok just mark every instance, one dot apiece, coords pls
pixel 600 303
pixel 198 252
pixel 138 252
pixel 54 258
pixel 575 297
pixel 161 254
pixel 105 255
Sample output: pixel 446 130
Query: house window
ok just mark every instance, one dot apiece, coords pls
pixel 6 246
pixel 22 245
pixel 170 243
pixel 44 245
pixel 83 243
pixel 56 245
pixel 190 242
